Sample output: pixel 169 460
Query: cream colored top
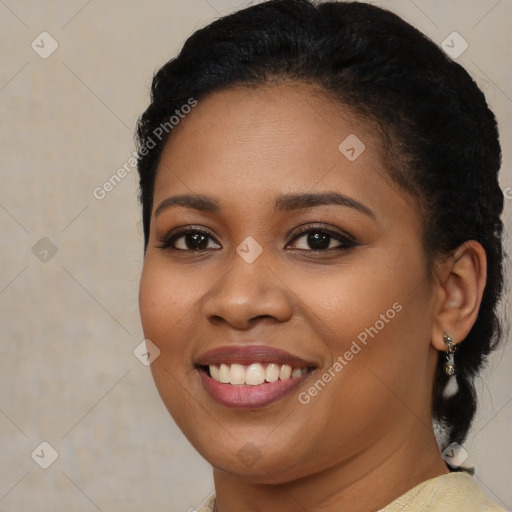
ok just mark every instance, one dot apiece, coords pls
pixel 454 492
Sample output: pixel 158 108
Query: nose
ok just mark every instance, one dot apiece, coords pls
pixel 248 293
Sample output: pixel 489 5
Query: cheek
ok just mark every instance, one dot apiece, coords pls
pixel 375 321
pixel 166 304
pixel 361 300
pixel 165 297
pixel 168 308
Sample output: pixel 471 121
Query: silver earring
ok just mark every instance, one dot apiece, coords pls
pixel 449 365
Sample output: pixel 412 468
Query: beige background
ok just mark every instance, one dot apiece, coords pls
pixel 69 325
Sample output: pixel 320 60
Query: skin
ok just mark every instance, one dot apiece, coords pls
pixel 366 437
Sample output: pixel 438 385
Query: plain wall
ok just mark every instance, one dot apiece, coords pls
pixel 69 324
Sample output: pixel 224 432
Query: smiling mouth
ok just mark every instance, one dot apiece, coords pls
pixel 244 386
pixel 253 374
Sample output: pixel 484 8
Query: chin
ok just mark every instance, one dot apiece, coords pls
pixel 257 463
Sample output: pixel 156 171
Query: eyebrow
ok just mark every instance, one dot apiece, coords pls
pixel 195 202
pixel 284 203
pixel 289 202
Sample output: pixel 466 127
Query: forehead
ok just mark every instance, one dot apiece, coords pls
pixel 247 143
pixel 290 112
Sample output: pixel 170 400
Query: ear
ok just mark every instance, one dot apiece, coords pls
pixel 460 286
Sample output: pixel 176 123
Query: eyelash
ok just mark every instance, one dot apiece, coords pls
pixel 347 242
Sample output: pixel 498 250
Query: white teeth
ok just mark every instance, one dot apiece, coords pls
pixel 297 372
pixel 285 372
pixel 254 374
pixel 272 372
pixel 223 374
pixel 237 374
pixel 215 372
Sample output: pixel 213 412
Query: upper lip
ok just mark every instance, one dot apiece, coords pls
pixel 248 354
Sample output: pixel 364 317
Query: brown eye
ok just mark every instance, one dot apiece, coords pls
pixel 323 240
pixel 318 240
pixel 193 241
pixel 186 240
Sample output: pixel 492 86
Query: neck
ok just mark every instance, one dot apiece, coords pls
pixel 367 482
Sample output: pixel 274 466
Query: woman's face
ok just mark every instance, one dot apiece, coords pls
pixel 303 255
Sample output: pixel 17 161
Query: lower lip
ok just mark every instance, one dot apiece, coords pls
pixel 246 396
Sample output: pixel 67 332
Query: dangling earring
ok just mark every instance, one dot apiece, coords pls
pixel 449 365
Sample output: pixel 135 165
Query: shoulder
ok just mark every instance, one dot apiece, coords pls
pixel 454 492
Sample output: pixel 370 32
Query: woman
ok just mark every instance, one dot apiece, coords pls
pixel 323 258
